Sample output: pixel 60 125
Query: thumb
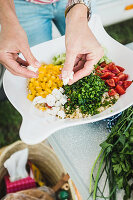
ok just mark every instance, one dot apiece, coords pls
pixel 30 58
pixel 69 64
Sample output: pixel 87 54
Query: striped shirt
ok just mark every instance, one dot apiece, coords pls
pixel 42 1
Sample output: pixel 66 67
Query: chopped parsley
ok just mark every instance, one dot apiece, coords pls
pixel 86 94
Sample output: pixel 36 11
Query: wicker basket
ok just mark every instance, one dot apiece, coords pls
pixel 41 155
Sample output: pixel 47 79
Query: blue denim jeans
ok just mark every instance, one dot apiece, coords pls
pixel 37 19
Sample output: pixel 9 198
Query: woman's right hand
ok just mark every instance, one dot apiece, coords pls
pixel 13 40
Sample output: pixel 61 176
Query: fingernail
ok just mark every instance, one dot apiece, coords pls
pixel 64 74
pixel 37 64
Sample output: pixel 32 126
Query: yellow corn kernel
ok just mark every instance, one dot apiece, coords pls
pixel 45 79
pixel 60 84
pixel 32 80
pixel 33 92
pixel 41 76
pixel 43 85
pixel 49 84
pixel 30 97
pixel 38 88
pixel 36 83
pixel 48 90
pixel 58 79
pixel 45 94
pixel 42 108
pixel 48 75
pixel 53 78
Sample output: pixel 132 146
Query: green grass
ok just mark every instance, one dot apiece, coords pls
pixel 10 119
pixel 122 32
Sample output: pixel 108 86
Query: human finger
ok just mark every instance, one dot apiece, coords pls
pixel 69 64
pixel 85 71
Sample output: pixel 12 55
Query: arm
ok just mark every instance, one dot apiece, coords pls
pixel 13 40
pixel 83 51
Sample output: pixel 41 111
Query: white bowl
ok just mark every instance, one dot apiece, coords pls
pixel 35 128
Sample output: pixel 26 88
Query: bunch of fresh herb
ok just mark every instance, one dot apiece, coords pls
pixel 86 94
pixel 116 158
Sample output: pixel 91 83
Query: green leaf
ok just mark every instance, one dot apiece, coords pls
pixel 117 168
pixel 104 145
pixel 120 183
pixel 122 139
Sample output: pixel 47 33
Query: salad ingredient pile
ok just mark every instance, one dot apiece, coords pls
pixel 53 102
pixel 114 77
pixel 88 96
pixel 47 81
pixel 85 95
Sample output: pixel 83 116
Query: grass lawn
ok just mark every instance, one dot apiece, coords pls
pixel 122 32
pixel 10 119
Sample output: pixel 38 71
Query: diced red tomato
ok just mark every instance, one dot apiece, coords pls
pixel 121 73
pixel 106 67
pixel 120 68
pixel 126 77
pixel 98 72
pixel 103 64
pixel 126 84
pixel 98 67
pixel 107 75
pixel 116 79
pixel 48 106
pixel 105 70
pixel 122 76
pixel 113 69
pixel 110 82
pixel 112 92
pixel 120 83
pixel 111 64
pixel 120 90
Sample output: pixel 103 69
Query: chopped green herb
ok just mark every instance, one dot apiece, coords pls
pixel 59 59
pixel 86 94
pixel 106 59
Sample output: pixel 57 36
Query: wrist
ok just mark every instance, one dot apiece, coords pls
pixel 77 12
pixel 7 13
pixel 9 21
